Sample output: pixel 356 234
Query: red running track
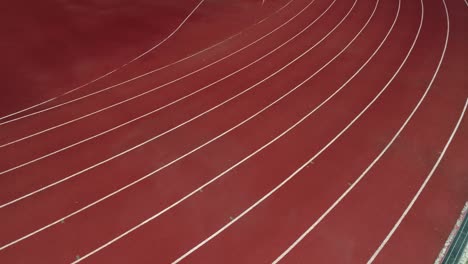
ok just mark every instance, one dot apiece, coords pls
pixel 282 131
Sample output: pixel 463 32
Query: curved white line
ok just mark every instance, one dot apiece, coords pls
pixel 188 153
pixel 305 164
pixel 410 205
pixel 240 162
pixel 127 81
pixel 112 71
pixel 174 128
pixel 423 185
pixel 167 165
pixel 94 203
pixel 379 156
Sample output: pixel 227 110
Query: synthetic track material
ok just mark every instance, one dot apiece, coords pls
pixel 322 131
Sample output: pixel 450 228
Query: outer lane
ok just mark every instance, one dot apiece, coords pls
pixel 432 217
pixel 189 224
pixel 358 223
pixel 131 112
pixel 115 90
pixel 274 228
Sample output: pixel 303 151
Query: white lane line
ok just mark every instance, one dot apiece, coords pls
pixel 130 80
pixel 379 156
pixel 421 188
pixel 304 165
pixel 178 126
pixel 397 224
pixel 112 71
pixel 418 193
pixel 122 83
pixel 134 78
pixel 183 156
pixel 148 51
pixel 251 155
pixel 201 146
pixel 277 11
pixel 188 121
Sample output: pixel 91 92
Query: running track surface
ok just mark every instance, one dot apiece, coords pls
pixel 277 131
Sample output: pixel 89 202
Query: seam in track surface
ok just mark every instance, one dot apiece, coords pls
pixel 351 187
pixel 423 185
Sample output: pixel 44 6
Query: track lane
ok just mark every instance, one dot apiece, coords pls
pixel 182 137
pixel 116 118
pixel 165 248
pixel 171 117
pixel 357 228
pixel 202 125
pixel 161 61
pixel 431 220
pixel 141 84
pixel 209 162
pixel 115 69
pixel 217 23
pixel 241 19
pixel 181 231
pixel 238 236
pixel 263 231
